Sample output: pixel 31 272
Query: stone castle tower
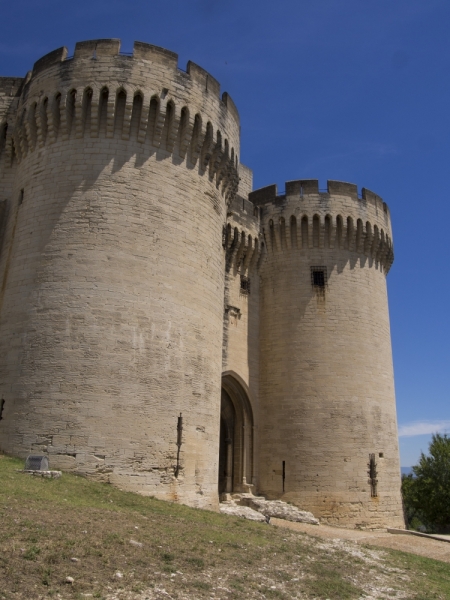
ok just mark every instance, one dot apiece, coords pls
pixel 167 329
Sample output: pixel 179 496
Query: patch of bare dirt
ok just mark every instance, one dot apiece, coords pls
pixel 430 548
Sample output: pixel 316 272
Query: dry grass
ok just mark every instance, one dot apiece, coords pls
pixel 164 550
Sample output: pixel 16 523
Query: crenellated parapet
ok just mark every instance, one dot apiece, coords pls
pixel 338 218
pixel 143 100
pixel 244 251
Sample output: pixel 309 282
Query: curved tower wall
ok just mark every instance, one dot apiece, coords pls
pixel 113 270
pixel 327 390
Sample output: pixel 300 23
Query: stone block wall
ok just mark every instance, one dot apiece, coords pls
pixel 113 268
pixel 327 390
pixel 244 247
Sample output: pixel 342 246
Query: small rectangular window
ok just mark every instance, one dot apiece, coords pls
pixel 245 285
pixel 319 277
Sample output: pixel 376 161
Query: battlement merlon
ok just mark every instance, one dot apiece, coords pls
pixel 308 187
pixel 110 48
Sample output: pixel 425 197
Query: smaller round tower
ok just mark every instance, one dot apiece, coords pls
pixel 328 436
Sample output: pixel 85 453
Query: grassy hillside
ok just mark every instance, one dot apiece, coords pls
pixel 117 545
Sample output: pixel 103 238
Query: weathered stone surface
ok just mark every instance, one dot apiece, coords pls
pixel 45 474
pixel 242 511
pixel 279 509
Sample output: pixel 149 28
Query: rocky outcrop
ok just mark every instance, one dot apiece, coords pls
pixel 257 508
pixel 242 511
pixel 279 510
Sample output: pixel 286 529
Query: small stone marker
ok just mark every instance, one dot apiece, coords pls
pixel 37 465
pixel 36 462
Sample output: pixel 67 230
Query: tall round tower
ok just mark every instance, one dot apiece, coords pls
pixel 328 433
pixel 112 269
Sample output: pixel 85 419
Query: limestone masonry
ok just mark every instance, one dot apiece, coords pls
pixel 167 329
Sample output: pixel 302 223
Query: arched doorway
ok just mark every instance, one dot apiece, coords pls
pixel 236 466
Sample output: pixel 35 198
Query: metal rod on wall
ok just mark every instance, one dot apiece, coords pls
pixel 179 442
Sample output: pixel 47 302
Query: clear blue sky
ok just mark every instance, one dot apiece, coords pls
pixel 330 89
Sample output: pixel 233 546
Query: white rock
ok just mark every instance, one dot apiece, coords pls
pixel 279 510
pixel 118 575
pixel 242 511
pixel 75 560
pixel 70 580
pixel 137 544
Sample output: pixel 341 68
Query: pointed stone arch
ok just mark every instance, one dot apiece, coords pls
pixel 237 437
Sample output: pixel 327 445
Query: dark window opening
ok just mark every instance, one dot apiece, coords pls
pixel 245 285
pixel 21 195
pixel 2 405
pixel 318 277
